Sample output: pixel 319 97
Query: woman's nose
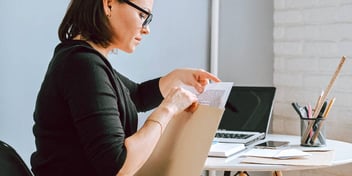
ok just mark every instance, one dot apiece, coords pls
pixel 145 30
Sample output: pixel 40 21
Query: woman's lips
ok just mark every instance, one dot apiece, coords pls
pixel 138 39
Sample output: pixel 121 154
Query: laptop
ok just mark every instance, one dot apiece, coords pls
pixel 247 115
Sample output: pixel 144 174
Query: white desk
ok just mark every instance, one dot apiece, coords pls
pixel 343 155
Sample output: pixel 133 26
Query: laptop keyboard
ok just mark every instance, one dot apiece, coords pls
pixel 232 135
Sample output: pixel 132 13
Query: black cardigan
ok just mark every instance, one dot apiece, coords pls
pixel 84 111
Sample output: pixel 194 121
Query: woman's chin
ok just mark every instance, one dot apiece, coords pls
pixel 128 50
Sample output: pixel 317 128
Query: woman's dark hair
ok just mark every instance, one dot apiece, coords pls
pixel 87 18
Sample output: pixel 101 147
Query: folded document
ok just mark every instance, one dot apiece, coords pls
pixel 225 149
pixel 277 154
pixel 314 159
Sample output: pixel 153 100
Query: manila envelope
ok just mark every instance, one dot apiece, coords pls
pixel 184 145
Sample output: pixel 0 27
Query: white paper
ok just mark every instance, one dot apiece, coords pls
pixel 214 95
pixel 315 159
pixel 312 149
pixel 225 149
pixel 278 154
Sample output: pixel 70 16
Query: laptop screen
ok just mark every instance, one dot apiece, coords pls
pixel 248 109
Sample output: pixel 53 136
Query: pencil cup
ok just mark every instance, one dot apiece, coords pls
pixel 316 134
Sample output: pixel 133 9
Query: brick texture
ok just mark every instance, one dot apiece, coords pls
pixel 310 37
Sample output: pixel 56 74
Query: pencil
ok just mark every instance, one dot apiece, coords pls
pixel 319 100
pixel 320 105
pixel 325 115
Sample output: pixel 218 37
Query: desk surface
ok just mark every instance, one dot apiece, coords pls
pixel 343 155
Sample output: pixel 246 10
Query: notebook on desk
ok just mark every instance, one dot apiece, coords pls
pixel 247 115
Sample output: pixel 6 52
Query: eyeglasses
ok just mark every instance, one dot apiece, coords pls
pixel 149 17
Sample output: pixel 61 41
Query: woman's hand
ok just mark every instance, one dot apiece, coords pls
pixel 196 78
pixel 178 99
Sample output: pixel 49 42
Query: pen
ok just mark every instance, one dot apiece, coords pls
pixel 316 121
pixel 309 111
pixel 317 131
pixel 300 110
pixel 322 110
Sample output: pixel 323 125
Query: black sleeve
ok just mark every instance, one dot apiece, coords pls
pixel 93 105
pixel 146 95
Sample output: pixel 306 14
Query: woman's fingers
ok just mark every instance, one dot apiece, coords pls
pixel 180 99
pixel 202 78
pixel 193 107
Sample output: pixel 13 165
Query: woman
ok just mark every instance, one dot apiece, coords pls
pixel 86 112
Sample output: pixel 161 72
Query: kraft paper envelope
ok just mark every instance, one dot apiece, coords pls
pixel 184 146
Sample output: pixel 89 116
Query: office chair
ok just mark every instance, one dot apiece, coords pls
pixel 11 164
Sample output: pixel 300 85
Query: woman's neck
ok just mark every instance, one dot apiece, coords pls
pixel 100 49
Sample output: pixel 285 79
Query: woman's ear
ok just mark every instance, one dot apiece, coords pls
pixel 107 7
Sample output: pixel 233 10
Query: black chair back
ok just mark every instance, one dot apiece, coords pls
pixel 11 164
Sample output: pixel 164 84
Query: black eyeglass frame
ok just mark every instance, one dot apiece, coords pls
pixel 149 17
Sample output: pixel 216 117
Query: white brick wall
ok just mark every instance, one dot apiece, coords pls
pixel 310 36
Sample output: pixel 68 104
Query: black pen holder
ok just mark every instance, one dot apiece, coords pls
pixel 316 135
